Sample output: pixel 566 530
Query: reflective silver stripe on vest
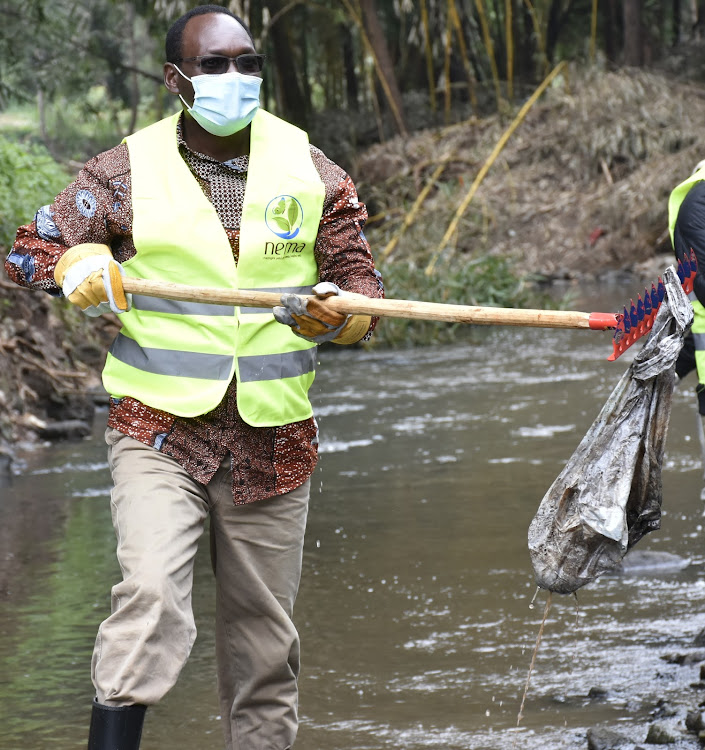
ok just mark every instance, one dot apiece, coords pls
pixel 692 297
pixel 699 339
pixel 276 290
pixel 277 366
pixel 174 307
pixel 169 362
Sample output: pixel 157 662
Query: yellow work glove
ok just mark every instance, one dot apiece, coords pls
pixel 313 320
pixel 91 278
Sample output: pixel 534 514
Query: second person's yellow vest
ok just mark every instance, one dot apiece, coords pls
pixel 697 328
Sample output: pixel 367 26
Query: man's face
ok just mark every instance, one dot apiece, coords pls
pixel 209 34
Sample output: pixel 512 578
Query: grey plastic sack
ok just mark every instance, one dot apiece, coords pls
pixel 609 494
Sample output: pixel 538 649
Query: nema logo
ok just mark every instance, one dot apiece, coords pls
pixel 284 216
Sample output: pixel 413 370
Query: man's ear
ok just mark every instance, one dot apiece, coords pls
pixel 171 76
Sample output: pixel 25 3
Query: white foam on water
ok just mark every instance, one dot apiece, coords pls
pixel 542 430
pixel 71 468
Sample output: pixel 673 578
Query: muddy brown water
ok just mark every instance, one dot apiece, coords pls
pixel 414 606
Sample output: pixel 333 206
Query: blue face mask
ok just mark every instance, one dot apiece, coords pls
pixel 225 103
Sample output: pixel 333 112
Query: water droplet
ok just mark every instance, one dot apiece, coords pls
pixel 533 598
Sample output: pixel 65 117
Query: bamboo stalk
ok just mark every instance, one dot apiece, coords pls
pixel 593 30
pixel 446 70
pixel 489 48
pixel 390 308
pixel 378 68
pixel 540 37
pixel 375 102
pixel 429 54
pixel 509 37
pixel 488 163
pixel 420 198
pixel 455 18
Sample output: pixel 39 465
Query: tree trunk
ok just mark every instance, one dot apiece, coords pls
pixel 500 50
pixel 553 28
pixel 385 68
pixel 699 20
pixel 41 112
pixel 304 22
pixel 525 45
pixel 134 85
pixel 677 21
pixel 611 25
pixel 348 51
pixel 633 33
pixel 290 97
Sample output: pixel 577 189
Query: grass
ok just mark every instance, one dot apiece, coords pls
pixel 29 178
pixel 486 281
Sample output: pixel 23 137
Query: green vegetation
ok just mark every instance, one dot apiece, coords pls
pixel 373 68
pixel 81 128
pixel 487 281
pixel 29 178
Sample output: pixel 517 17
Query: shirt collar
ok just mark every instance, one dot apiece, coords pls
pixel 239 164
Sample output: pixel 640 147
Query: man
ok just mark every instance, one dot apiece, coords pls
pixel 686 219
pixel 209 413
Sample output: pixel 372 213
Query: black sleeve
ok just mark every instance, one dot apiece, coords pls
pixel 689 233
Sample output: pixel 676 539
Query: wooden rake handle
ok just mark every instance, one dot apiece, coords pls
pixel 389 308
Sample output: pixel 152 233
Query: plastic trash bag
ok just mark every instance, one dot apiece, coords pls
pixel 609 494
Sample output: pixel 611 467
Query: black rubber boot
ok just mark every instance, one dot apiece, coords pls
pixel 116 727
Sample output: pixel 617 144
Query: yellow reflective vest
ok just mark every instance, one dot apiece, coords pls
pixel 180 356
pixel 678 196
pixel 698 326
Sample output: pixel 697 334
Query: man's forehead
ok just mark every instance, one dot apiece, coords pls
pixel 212 30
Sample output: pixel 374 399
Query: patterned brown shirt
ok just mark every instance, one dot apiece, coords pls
pixel 97 207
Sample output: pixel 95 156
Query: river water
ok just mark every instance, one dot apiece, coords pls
pixel 414 609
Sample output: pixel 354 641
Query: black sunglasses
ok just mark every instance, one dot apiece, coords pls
pixel 216 64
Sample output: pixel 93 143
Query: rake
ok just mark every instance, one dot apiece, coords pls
pixel 629 326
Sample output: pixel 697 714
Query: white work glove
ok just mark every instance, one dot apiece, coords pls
pixel 91 278
pixel 313 320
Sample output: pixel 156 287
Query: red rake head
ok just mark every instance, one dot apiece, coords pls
pixel 638 320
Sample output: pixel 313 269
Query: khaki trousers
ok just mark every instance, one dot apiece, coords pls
pixel 158 513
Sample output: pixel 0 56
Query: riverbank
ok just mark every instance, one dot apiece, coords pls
pixel 580 188
pixel 579 193
pixel 50 361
